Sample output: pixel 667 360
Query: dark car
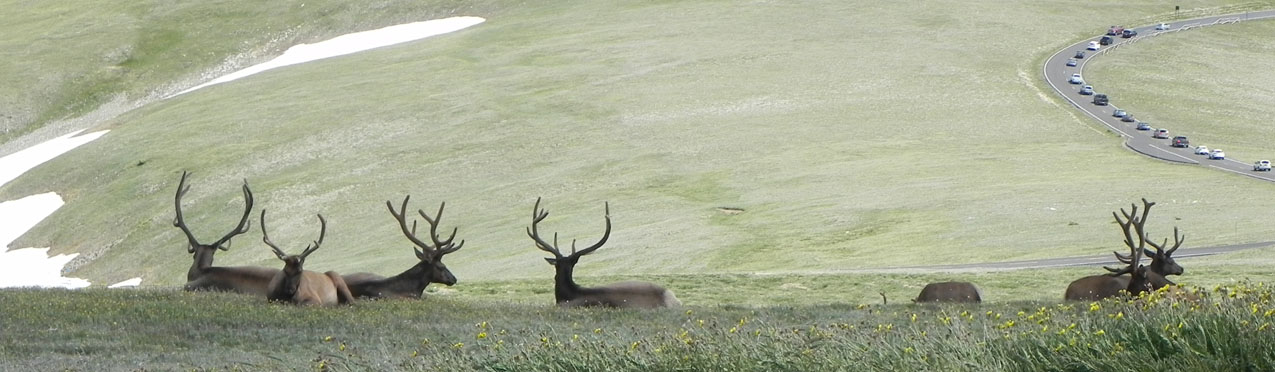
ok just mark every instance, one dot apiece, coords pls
pixel 1127 118
pixel 1128 33
pixel 1106 40
pixel 1180 141
pixel 1100 99
pixel 1079 54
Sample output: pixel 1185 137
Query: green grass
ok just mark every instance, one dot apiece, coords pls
pixel 1209 84
pixel 100 329
pixel 851 137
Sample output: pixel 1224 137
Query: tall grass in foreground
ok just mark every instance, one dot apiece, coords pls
pixel 1229 328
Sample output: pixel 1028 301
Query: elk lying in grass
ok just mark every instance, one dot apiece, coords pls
pixel 202 274
pixel 568 294
pixel 1097 287
pixel 298 286
pixel 949 292
pixel 430 269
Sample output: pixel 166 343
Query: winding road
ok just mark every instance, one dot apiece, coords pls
pixel 1057 73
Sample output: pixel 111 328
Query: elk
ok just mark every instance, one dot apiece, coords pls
pixel 569 294
pixel 298 286
pixel 950 292
pixel 203 276
pixel 1097 287
pixel 430 269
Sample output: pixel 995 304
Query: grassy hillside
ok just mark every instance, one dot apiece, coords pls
pixel 850 136
pixel 1210 84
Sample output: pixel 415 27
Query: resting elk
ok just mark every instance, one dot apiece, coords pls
pixel 202 274
pixel 1097 287
pixel 430 269
pixel 950 292
pixel 568 294
pixel 298 286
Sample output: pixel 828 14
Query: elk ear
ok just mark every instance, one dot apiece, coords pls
pixel 552 261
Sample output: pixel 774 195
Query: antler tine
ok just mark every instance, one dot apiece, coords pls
pixel 538 215
pixel 1177 242
pixel 433 227
pixel 182 188
pixel 265 237
pixel 595 246
pixel 323 231
pixel 244 223
pixel 401 216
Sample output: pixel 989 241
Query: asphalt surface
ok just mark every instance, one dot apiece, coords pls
pixel 1057 74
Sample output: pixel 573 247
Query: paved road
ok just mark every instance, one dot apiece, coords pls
pixel 1057 74
pixel 1095 261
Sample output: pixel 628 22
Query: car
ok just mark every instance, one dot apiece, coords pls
pixel 1262 166
pixel 1128 34
pixel 1100 99
pixel 1072 62
pixel 1106 40
pixel 1162 26
pixel 1217 154
pixel 1079 54
pixel 1180 141
pixel 1160 133
pixel 1086 90
pixel 1142 125
pixel 1201 150
pixel 1076 79
pixel 1119 113
pixel 1128 119
pixel 1093 45
pixel 1115 30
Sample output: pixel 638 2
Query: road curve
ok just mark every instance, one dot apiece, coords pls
pixel 1057 73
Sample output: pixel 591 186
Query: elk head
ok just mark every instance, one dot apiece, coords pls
pixel 1162 261
pixel 558 260
pixel 287 284
pixel 567 293
pixel 204 252
pixel 430 256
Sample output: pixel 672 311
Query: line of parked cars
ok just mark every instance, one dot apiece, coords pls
pixel 1162 133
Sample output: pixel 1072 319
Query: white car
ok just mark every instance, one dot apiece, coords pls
pixel 1201 150
pixel 1076 79
pixel 1217 154
pixel 1162 26
pixel 1093 45
pixel 1262 166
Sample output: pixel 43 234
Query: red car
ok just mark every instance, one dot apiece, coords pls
pixel 1115 30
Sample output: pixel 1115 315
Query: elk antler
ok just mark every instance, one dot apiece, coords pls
pixel 538 215
pixel 1177 242
pixel 1131 219
pixel 443 246
pixel 265 237
pixel 244 224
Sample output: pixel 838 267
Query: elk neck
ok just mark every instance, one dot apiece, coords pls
pixel 203 261
pixel 564 287
pixel 414 280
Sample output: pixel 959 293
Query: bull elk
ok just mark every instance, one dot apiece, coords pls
pixel 569 294
pixel 298 286
pixel 950 292
pixel 430 269
pixel 203 276
pixel 1097 287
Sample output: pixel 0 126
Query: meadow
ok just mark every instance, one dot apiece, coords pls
pixel 96 329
